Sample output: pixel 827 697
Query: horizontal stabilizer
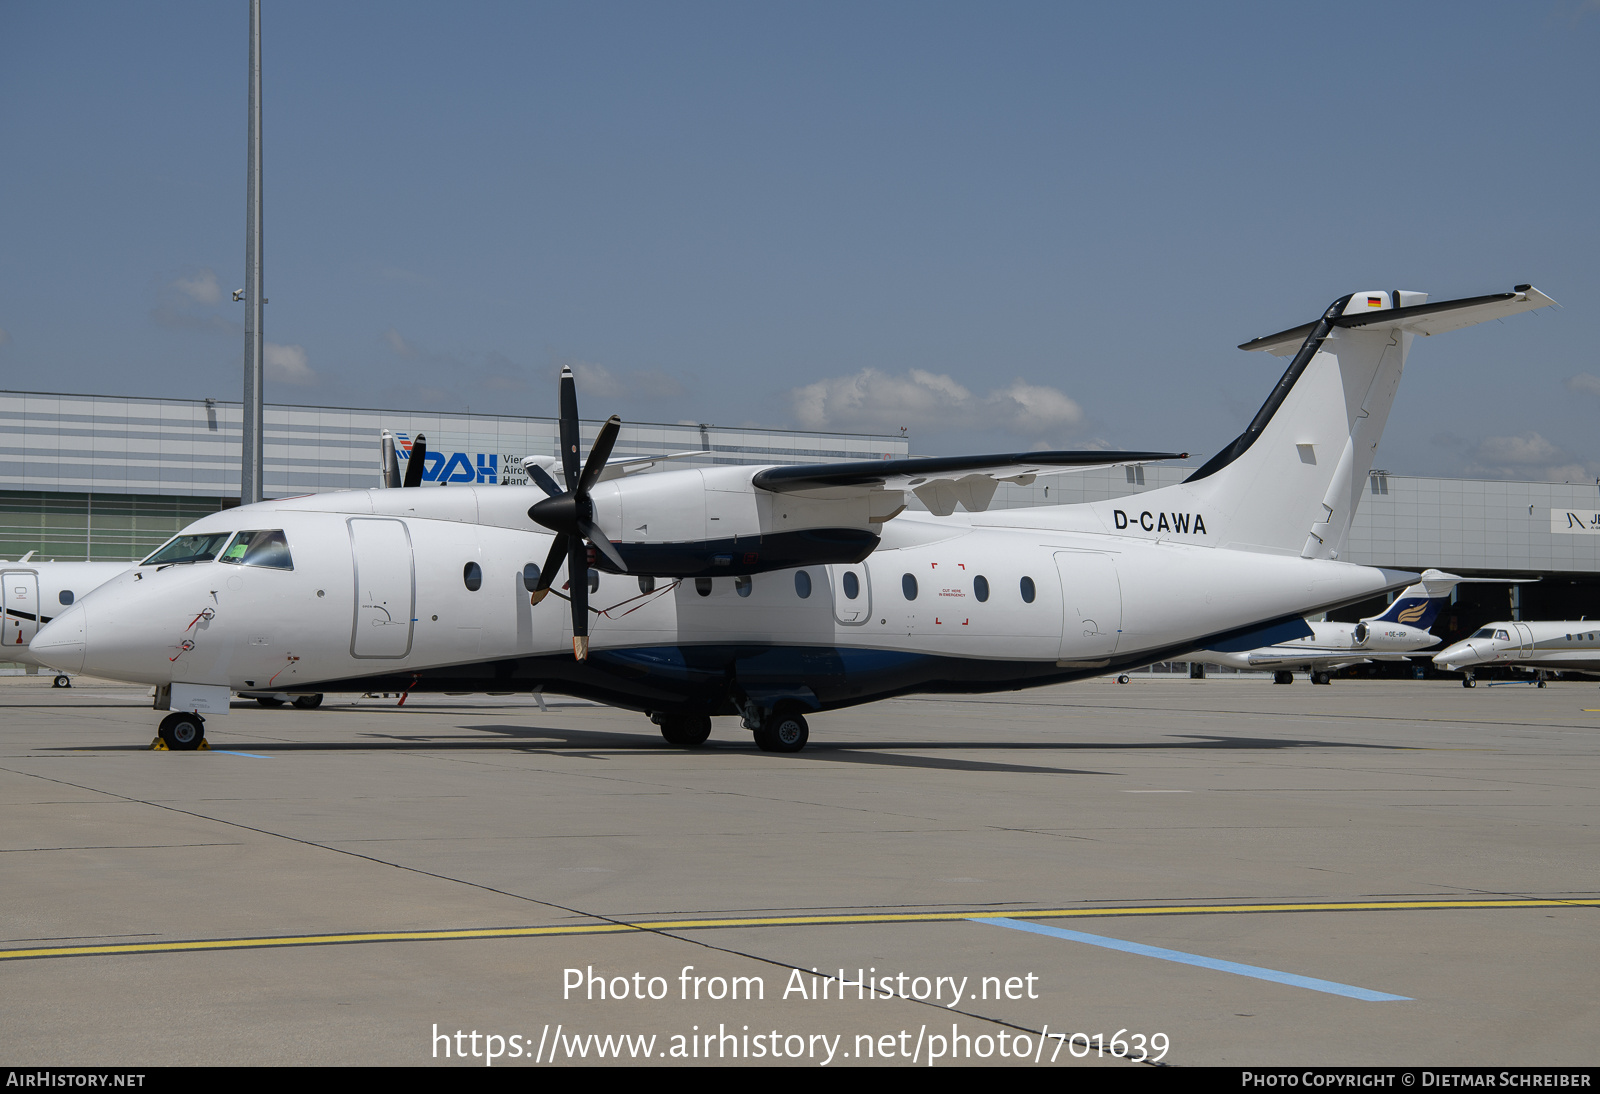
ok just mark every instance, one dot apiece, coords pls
pixel 1392 311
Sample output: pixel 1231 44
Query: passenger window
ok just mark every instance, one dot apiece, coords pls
pixel 743 585
pixel 852 585
pixel 66 596
pixel 594 581
pixel 802 584
pixel 702 585
pixel 980 588
pixel 1028 591
pixel 647 585
pixel 472 577
pixel 908 586
pixel 530 576
pixel 260 548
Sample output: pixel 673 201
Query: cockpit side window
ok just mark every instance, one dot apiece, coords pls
pixel 1502 636
pixel 193 548
pixel 268 548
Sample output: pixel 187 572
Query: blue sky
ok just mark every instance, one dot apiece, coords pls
pixel 1000 226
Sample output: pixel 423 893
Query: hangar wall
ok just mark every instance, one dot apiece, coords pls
pixel 112 477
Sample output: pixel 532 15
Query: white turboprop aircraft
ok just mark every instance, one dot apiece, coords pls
pixel 1544 646
pixel 34 593
pixel 1323 648
pixel 772 593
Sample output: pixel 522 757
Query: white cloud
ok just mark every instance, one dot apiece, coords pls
pixel 394 341
pixel 201 287
pixel 288 364
pixel 1530 457
pixel 1583 383
pixel 880 402
pixel 1516 451
pixel 598 382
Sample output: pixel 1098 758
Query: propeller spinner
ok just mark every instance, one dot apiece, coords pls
pixel 569 513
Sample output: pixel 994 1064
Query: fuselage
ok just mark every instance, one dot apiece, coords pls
pixel 33 593
pixel 1544 644
pixel 428 589
pixel 1330 646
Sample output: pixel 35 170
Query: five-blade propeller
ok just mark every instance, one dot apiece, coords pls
pixel 569 513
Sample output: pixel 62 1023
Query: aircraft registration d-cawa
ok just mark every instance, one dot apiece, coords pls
pixel 1400 629
pixel 1542 645
pixel 773 593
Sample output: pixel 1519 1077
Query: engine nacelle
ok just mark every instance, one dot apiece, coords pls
pixel 702 522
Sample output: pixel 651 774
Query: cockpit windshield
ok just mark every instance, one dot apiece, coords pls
pixel 1487 632
pixel 260 548
pixel 196 548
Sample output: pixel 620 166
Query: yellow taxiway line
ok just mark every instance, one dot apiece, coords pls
pixel 658 925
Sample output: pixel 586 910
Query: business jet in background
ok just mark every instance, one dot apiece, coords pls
pixel 774 593
pixel 1401 629
pixel 34 593
pixel 1545 646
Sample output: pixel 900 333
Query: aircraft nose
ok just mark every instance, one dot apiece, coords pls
pixel 60 643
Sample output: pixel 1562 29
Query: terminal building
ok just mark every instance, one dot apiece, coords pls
pixel 113 477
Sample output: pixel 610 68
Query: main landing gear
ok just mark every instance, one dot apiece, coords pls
pixel 301 702
pixel 782 732
pixel 1282 677
pixel 181 731
pixel 1321 678
pixel 62 681
pixel 688 730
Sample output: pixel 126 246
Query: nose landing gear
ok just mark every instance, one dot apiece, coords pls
pixel 181 731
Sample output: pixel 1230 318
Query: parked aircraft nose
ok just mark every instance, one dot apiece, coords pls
pixel 60 643
pixel 1462 653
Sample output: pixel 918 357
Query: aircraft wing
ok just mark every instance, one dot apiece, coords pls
pixel 941 481
pixel 1424 319
pixel 614 469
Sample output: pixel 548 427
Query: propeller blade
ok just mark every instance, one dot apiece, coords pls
pixel 578 590
pixel 552 566
pixel 419 456
pixel 600 453
pixel 541 478
pixel 569 427
pixel 597 536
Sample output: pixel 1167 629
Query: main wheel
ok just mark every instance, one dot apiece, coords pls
pixel 1123 679
pixel 783 733
pixel 1321 678
pixel 308 702
pixel 182 731
pixel 1281 677
pixel 62 681
pixel 268 701
pixel 688 730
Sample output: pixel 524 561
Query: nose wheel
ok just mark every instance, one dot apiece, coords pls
pixel 181 731
pixel 1469 681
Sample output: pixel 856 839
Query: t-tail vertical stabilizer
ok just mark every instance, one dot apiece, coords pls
pixel 1290 483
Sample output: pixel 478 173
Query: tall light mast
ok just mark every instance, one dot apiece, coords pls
pixel 250 473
